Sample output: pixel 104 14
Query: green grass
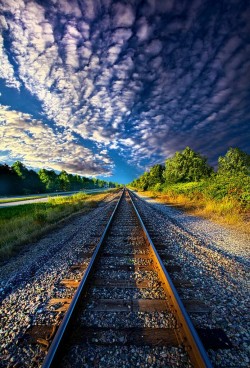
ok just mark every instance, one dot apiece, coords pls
pixel 25 223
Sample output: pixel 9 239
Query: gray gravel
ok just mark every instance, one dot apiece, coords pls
pixel 125 357
pixel 216 261
pixel 122 239
pixel 213 258
pixel 31 279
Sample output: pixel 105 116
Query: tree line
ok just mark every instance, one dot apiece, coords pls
pixel 190 166
pixel 18 179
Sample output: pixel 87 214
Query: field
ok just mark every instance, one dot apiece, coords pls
pixel 26 223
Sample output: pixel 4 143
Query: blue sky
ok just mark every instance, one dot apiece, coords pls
pixel 108 88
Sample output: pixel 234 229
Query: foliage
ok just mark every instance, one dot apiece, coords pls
pixel 30 181
pixel 49 179
pixel 224 196
pixel 186 166
pixel 150 179
pixel 10 182
pixel 234 162
pixel 20 180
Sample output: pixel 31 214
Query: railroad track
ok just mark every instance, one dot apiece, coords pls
pixel 126 310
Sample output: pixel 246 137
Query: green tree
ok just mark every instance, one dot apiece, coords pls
pixel 156 175
pixel 234 162
pixel 49 179
pixel 186 166
pixel 10 182
pixel 64 183
pixel 32 183
pixel 29 178
pixel 20 169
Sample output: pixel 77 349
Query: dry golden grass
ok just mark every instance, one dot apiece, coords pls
pixel 227 212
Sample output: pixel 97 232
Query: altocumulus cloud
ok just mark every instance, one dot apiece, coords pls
pixel 144 78
pixel 21 136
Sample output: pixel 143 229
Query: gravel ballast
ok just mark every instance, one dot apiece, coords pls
pixel 215 260
pixel 212 258
pixel 31 279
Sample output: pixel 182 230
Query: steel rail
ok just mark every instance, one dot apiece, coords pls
pixel 54 350
pixel 188 334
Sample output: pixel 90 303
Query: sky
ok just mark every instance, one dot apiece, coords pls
pixel 109 88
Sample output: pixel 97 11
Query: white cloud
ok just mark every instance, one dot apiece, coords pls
pixel 143 31
pixel 6 69
pixel 37 145
pixel 123 15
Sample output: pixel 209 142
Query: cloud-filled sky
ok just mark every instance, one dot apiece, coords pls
pixel 108 88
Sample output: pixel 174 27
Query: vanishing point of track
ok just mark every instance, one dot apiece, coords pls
pixel 125 276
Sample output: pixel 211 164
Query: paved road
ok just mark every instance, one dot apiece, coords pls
pixel 43 197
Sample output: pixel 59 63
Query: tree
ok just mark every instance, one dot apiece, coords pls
pixel 64 183
pixel 30 180
pixel 10 182
pixel 186 166
pixel 32 183
pixel 49 179
pixel 142 182
pixel 156 175
pixel 20 169
pixel 234 162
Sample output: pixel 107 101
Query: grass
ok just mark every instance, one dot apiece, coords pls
pixel 224 200
pixel 45 195
pixel 25 223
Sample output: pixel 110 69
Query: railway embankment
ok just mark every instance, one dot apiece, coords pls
pixel 207 256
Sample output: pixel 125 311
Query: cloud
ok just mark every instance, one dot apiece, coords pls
pixel 123 15
pixel 143 79
pixel 38 145
pixel 6 69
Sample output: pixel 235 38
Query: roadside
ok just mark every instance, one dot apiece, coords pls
pixel 215 260
pixel 234 219
pixel 16 201
pixel 23 224
pixel 207 230
pixel 29 280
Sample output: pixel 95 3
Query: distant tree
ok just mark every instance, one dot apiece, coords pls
pixel 49 179
pixel 30 180
pixel 234 162
pixel 20 169
pixel 10 182
pixel 186 166
pixel 111 184
pixel 18 179
pixel 64 181
pixel 33 183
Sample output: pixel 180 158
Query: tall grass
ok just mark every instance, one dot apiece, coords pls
pixel 224 199
pixel 25 223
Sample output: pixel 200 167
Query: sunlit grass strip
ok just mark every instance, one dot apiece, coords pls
pixel 26 223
